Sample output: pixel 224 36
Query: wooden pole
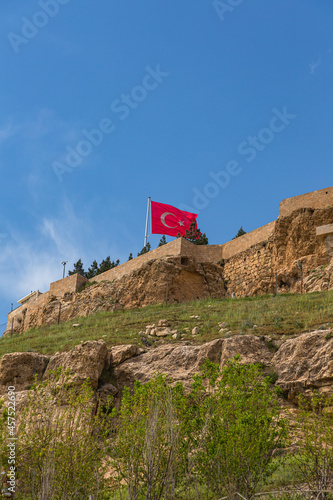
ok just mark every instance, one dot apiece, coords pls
pixel 59 313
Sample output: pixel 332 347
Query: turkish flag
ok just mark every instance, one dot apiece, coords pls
pixel 166 219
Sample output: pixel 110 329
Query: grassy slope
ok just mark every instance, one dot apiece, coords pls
pixel 265 315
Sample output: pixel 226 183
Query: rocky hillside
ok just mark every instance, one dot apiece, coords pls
pixel 298 365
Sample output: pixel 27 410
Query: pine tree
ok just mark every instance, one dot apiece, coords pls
pixel 78 269
pixel 195 236
pixel 92 271
pixel 145 249
pixel 106 264
pixel 163 241
pixel 130 256
pixel 240 233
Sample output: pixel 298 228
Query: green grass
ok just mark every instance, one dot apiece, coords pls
pixel 287 314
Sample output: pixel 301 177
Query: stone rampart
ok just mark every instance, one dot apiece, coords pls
pixel 247 241
pixel 322 198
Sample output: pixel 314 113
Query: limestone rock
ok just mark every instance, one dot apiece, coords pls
pixel 19 368
pixel 83 361
pixel 223 325
pixel 305 364
pixel 163 323
pixel 119 353
pixel 251 349
pixel 163 332
pixel 178 362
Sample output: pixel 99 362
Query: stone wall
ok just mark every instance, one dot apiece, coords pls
pixel 67 285
pixel 322 198
pixel 247 241
pixel 172 249
pixel 250 272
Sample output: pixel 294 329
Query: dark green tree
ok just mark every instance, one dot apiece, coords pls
pixel 145 249
pixel 130 256
pixel 163 241
pixel 195 236
pixel 92 271
pixel 78 269
pixel 107 264
pixel 240 233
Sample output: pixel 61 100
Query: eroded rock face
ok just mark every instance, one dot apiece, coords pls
pixel 305 364
pixel 18 369
pixel 178 362
pixel 120 353
pixel 252 349
pixel 83 361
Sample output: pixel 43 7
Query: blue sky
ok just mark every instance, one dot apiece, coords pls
pixel 222 107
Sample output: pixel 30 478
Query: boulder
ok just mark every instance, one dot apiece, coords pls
pixel 83 361
pixel 119 353
pixel 18 369
pixel 305 364
pixel 180 363
pixel 252 349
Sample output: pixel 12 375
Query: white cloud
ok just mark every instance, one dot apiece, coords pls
pixel 314 66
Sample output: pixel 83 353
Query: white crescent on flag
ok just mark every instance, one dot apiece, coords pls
pixel 163 216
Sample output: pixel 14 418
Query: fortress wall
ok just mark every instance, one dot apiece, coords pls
pixel 172 249
pixel 201 253
pixel 18 319
pixel 322 198
pixel 246 241
pixel 67 285
pixel 250 271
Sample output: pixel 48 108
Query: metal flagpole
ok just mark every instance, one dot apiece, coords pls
pixel 146 233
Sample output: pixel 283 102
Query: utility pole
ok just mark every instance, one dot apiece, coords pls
pixel 64 262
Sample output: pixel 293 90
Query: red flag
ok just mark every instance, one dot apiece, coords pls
pixel 166 219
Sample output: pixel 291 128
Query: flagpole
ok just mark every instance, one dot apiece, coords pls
pixel 146 233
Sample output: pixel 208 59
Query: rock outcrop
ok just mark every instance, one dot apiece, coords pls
pixel 19 369
pixel 305 364
pixel 302 364
pixel 83 361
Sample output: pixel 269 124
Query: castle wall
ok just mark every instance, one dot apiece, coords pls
pixel 251 270
pixel 20 318
pixel 172 249
pixel 67 285
pixel 322 198
pixel 246 241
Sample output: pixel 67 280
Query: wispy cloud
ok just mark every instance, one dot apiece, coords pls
pixel 313 66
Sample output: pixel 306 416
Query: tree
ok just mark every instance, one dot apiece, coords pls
pixel 78 269
pixel 163 241
pixel 314 457
pixel 145 249
pixel 130 256
pixel 106 264
pixel 236 429
pixel 61 445
pixel 145 449
pixel 92 270
pixel 240 233
pixel 194 235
